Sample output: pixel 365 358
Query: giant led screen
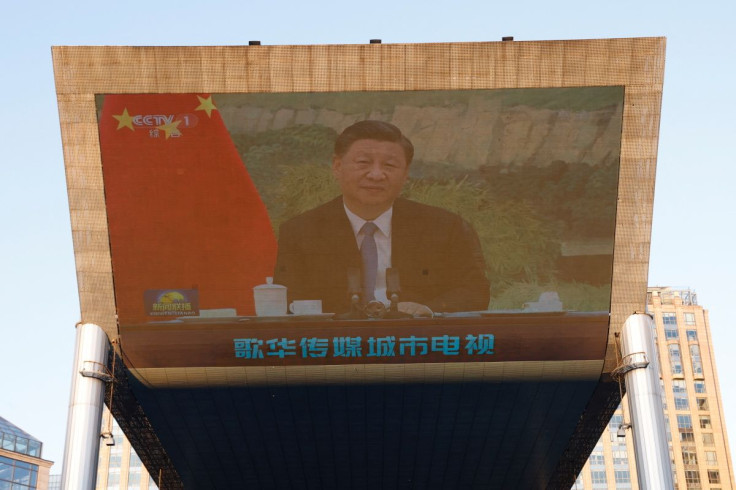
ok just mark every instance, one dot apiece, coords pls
pixel 272 211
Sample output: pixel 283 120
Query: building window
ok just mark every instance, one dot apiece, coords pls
pixel 692 479
pixel 17 443
pixel 705 422
pixel 134 478
pixel 598 477
pixel 134 461
pixel 21 445
pixel 670 326
pixel 675 359
pixel 134 470
pixel 34 449
pixel 689 457
pixel 685 426
pixel 680 392
pixel 708 439
pixel 17 475
pixel 620 457
pixel 622 476
pixel 686 435
pixel 703 404
pixel 692 335
pixel 700 387
pixel 714 476
pixel 115 459
pixel 689 318
pixel 695 357
pixel 669 318
pixel 681 402
pixel 113 479
pixel 9 442
pixel 710 458
pixel 597 459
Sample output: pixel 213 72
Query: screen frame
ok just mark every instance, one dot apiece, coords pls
pixel 637 64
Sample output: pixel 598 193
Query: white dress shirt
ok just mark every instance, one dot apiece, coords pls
pixel 382 236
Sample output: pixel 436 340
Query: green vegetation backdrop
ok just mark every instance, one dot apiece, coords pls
pixel 535 171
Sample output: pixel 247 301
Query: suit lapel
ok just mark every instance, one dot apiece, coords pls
pixel 342 245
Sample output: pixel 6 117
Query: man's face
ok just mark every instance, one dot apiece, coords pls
pixel 371 174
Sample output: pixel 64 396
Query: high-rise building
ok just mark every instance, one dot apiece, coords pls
pixel 21 465
pixel 693 410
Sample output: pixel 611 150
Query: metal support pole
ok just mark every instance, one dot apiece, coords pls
pixel 640 367
pixel 89 375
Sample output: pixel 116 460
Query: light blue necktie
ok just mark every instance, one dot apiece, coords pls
pixel 369 253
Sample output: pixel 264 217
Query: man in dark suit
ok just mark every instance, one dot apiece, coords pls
pixel 369 228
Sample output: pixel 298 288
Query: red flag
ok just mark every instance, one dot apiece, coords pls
pixel 183 212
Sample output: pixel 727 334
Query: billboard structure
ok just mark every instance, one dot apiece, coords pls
pixel 218 198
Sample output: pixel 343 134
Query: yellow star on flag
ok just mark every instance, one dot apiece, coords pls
pixel 170 129
pixel 125 120
pixel 206 105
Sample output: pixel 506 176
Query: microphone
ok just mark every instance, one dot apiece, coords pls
pixel 355 287
pixel 393 285
pixel 393 288
pixel 355 290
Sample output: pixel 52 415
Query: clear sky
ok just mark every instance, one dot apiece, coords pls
pixel 694 218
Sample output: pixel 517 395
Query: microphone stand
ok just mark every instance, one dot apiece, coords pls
pixel 393 288
pixel 355 291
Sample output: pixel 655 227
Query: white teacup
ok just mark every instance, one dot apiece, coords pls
pixel 270 299
pixel 306 307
